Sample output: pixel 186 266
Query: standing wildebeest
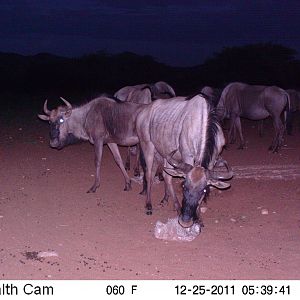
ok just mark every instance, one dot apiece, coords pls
pixel 100 121
pixel 254 102
pixel 183 135
pixel 141 96
pixel 159 90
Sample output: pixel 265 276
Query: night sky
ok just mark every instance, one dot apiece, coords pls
pixel 179 33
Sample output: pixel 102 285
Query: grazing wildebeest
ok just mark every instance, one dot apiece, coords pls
pixel 254 102
pixel 295 106
pixel 101 121
pixel 183 135
pixel 159 90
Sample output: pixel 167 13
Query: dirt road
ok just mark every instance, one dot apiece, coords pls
pixel 252 230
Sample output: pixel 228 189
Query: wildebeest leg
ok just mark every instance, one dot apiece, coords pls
pixel 98 156
pixel 278 137
pixel 231 132
pixel 239 129
pixel 137 162
pixel 127 162
pixel 149 160
pixel 149 183
pixel 169 191
pixel 116 153
pixel 143 165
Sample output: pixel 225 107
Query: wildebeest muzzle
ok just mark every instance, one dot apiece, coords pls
pixel 54 135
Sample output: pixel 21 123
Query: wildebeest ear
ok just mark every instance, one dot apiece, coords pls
pixel 218 184
pixel 174 172
pixel 44 117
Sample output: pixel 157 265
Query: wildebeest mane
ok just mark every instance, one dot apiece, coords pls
pixel 212 132
pixel 212 129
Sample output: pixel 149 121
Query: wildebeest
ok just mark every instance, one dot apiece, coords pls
pixel 142 96
pixel 159 90
pixel 184 136
pixel 254 102
pixel 101 121
pixel 295 106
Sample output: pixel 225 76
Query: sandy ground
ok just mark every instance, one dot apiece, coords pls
pixel 107 235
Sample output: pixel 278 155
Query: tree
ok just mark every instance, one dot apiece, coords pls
pixel 268 64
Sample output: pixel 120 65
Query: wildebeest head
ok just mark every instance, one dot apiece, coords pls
pixel 195 187
pixel 58 121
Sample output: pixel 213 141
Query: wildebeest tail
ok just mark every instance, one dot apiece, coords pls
pixel 288 115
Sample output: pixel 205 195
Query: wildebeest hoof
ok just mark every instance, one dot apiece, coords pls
pixel 148 209
pixel 241 147
pixel 143 192
pixel 92 190
pixel 164 202
pixel 127 187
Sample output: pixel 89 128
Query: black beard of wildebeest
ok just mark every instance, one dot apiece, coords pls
pixel 68 140
pixel 54 130
pixel 189 207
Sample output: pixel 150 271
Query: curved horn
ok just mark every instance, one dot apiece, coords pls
pixel 66 102
pixel 171 160
pixel 46 110
pixel 182 166
pixel 221 176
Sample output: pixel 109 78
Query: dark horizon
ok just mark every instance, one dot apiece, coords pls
pixel 176 33
pixel 102 52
